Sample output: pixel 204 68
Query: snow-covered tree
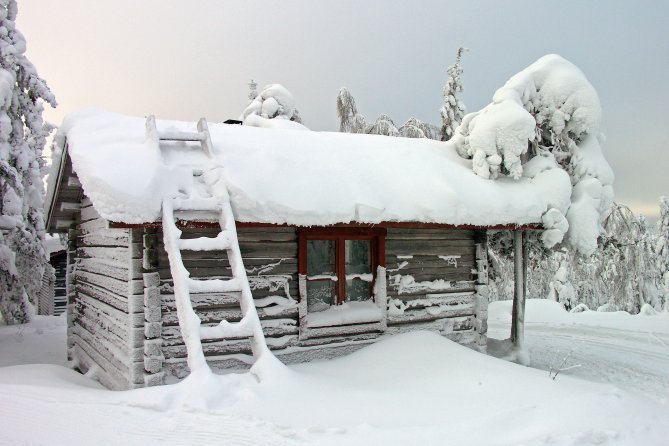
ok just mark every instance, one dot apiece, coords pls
pixel 253 90
pixel 662 250
pixel 349 119
pixel 273 102
pixel 548 113
pixel 383 125
pixel 415 128
pixel 452 110
pixel 22 137
pixel 560 288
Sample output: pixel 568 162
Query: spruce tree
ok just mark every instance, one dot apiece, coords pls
pixel 22 137
pixel 453 110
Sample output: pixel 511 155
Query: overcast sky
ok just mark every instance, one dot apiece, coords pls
pixel 188 59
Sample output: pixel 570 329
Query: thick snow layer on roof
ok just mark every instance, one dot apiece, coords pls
pixel 299 177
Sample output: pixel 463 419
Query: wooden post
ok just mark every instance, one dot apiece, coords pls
pixel 518 309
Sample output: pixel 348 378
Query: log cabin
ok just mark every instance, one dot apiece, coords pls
pixel 343 239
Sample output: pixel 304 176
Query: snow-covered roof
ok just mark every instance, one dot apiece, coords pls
pixel 299 177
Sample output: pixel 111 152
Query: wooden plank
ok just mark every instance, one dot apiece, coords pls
pixel 118 253
pixel 114 300
pixel 214 316
pixel 429 234
pixel 111 237
pixel 423 315
pixel 172 335
pixel 202 300
pixel 428 247
pixel 114 380
pixel 89 213
pixel 105 330
pixel 84 301
pixel 434 274
pixel 340 330
pixel 103 268
pixel 232 346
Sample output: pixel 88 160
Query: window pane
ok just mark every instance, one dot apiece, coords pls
pixel 320 257
pixel 358 269
pixel 320 295
pixel 321 263
pixel 357 289
pixel 357 256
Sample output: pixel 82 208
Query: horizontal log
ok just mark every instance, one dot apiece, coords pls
pixel 236 346
pixel 117 253
pixel 429 314
pixel 172 335
pixel 111 237
pixel 89 213
pixel 114 300
pixel 106 374
pixel 428 275
pixel 429 247
pixel 202 300
pixel 117 271
pixel 214 316
pixel 106 331
pixel 429 234
pixel 103 356
pixel 340 330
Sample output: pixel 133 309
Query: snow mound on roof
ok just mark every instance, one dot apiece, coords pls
pixel 550 99
pixel 299 177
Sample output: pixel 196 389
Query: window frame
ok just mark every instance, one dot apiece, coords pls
pixel 376 236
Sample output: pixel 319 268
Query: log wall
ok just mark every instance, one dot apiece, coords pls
pixel 124 326
pixel 432 282
pixel 270 259
pixel 105 289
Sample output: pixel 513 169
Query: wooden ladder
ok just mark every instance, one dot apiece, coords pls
pixel 226 240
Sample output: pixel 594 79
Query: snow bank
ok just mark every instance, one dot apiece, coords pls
pixel 398 391
pixel 544 311
pixel 299 177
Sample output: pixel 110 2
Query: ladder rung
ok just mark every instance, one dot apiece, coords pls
pixel 226 329
pixel 219 243
pixel 214 285
pixel 181 136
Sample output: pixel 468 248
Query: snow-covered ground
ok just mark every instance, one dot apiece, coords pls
pixel 417 388
pixel 629 351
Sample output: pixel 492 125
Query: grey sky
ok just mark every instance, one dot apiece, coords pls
pixel 187 59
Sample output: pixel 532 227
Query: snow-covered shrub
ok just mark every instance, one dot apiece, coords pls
pixel 22 137
pixel 273 102
pixel 452 109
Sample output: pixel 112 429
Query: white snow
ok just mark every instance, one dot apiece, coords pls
pixel 344 314
pixel 630 351
pixel 297 177
pixel 549 100
pixel 416 388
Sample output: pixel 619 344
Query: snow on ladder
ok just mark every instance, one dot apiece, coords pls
pixel 189 322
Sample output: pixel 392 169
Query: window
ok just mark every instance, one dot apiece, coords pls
pixel 339 264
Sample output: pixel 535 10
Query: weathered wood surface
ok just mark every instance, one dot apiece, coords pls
pixel 107 326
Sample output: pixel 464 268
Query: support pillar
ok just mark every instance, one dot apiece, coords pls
pixel 520 287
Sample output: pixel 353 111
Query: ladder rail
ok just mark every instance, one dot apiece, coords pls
pixel 189 321
pixel 190 324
